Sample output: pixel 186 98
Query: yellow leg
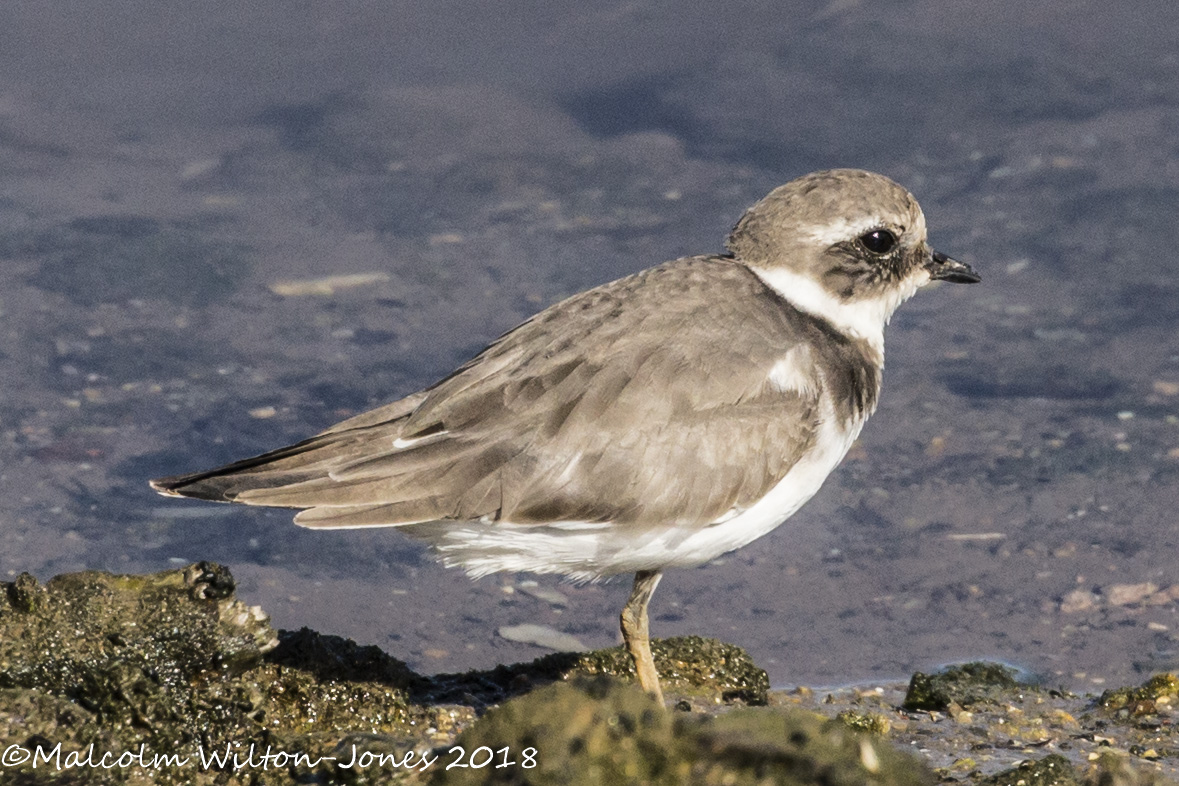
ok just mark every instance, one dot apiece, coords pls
pixel 635 631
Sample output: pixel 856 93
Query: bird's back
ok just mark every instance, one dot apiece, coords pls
pixel 636 402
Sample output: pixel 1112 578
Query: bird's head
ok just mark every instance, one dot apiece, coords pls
pixel 844 245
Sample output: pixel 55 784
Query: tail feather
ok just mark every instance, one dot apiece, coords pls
pixel 312 458
pixel 405 512
pixel 358 477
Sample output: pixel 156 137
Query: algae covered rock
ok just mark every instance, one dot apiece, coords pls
pixel 111 643
pixel 115 662
pixel 1055 770
pixel 688 666
pixel 1052 770
pixel 965 684
pixel 171 671
pixel 1161 690
pixel 706 671
pixel 599 730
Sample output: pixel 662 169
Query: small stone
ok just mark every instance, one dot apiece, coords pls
pixel 1129 594
pixel 1165 388
pixel 1078 600
pixel 548 595
pixel 542 636
pixel 957 713
pixel 326 285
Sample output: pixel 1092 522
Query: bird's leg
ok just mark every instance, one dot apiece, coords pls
pixel 635 631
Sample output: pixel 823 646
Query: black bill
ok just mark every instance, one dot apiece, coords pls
pixel 943 268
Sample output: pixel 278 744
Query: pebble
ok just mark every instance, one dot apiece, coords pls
pixel 547 594
pixel 542 636
pixel 327 285
pixel 1078 600
pixel 1129 594
pixel 1165 388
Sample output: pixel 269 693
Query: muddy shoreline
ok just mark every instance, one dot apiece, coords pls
pixel 140 668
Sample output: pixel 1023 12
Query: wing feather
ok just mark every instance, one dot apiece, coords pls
pixel 636 402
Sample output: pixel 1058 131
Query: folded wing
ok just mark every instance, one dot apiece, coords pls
pixel 604 408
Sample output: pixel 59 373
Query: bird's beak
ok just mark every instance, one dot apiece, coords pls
pixel 943 268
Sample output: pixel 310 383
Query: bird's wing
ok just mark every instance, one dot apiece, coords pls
pixel 636 401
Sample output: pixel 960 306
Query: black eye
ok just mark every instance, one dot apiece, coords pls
pixel 878 241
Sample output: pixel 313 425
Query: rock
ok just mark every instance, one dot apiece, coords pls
pixel 174 665
pixel 1052 770
pixel 598 730
pixel 1077 601
pixel 173 668
pixel 1130 594
pixel 542 636
pixel 25 594
pixel 1159 690
pixel 327 285
pixel 966 684
pixel 81 629
pixel 705 671
pixel 689 666
pixel 547 594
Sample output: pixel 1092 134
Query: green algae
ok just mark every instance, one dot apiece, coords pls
pixel 689 666
pixel 25 594
pixel 1055 770
pixel 867 722
pixel 1052 770
pixel 965 684
pixel 128 646
pixel 174 664
pixel 1159 690
pixel 599 730
pixel 692 668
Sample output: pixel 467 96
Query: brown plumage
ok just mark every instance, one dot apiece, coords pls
pixel 535 429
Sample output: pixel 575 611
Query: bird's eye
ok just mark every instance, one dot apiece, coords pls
pixel 878 241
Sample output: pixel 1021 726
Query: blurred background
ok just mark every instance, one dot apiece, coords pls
pixel 225 226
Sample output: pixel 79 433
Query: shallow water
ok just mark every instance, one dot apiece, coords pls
pixel 165 170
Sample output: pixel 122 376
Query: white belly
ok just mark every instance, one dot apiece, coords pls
pixel 587 551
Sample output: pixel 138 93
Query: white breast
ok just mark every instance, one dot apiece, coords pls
pixel 804 479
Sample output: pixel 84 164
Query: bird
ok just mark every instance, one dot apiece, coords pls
pixel 655 421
